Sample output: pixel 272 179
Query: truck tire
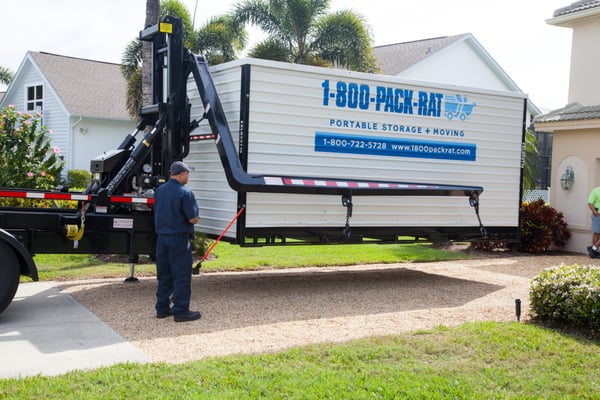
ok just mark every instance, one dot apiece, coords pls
pixel 9 275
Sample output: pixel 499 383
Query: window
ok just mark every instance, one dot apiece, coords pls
pixel 544 162
pixel 35 98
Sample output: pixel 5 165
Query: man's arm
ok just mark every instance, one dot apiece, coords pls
pixel 190 207
pixel 594 211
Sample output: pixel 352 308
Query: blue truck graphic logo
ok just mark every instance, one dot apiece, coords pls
pixel 458 107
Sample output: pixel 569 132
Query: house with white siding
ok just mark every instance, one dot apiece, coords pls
pixel 461 60
pixel 82 103
pixel 456 60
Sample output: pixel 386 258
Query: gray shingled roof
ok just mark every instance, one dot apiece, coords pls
pixel 576 7
pixel 87 88
pixel 571 112
pixel 395 58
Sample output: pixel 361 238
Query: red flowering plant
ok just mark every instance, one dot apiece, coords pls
pixel 542 228
pixel 27 158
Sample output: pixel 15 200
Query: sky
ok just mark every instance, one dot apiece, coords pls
pixel 514 32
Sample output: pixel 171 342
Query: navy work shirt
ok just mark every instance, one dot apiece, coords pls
pixel 174 206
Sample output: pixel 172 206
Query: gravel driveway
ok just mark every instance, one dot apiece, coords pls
pixel 264 311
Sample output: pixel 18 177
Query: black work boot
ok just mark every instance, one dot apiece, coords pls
pixel 187 316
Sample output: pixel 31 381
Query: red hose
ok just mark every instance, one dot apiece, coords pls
pixel 212 246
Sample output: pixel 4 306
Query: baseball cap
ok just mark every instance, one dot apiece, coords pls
pixel 178 167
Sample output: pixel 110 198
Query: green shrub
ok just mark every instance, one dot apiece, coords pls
pixel 78 178
pixel 200 244
pixel 567 294
pixel 27 158
pixel 542 227
pixel 489 244
pixel 36 203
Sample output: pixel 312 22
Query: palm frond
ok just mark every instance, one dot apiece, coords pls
pixel 531 159
pixel 134 94
pixel 271 49
pixel 176 9
pixel 131 59
pixel 221 39
pixel 6 75
pixel 344 39
pixel 258 13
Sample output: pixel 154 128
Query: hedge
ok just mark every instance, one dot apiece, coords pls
pixel 567 294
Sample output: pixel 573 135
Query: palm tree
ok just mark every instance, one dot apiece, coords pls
pixel 222 41
pixel 301 31
pixel 152 13
pixel 174 8
pixel 219 40
pixel 136 65
pixel 131 63
pixel 5 75
pixel 531 158
pixel 136 59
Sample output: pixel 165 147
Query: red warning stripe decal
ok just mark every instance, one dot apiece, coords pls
pixel 208 136
pixel 127 199
pixel 349 184
pixel 72 196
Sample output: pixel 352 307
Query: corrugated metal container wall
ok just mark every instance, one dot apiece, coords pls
pixel 216 200
pixel 317 122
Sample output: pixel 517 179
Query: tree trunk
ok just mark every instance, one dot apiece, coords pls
pixel 152 14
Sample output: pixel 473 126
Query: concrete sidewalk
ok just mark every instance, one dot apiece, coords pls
pixel 44 331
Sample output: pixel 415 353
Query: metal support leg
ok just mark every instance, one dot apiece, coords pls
pixel 474 202
pixel 347 202
pixel 132 277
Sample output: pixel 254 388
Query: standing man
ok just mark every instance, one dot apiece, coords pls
pixel 594 205
pixel 175 213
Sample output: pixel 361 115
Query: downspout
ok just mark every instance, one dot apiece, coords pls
pixel 72 144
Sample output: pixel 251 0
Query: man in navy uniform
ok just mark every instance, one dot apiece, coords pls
pixel 175 213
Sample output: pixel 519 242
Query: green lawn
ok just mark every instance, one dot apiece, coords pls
pixel 474 361
pixel 231 257
pixel 227 257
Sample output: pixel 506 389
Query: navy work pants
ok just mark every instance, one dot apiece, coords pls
pixel 174 273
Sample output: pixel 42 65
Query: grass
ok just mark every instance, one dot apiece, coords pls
pixel 227 257
pixel 474 361
pixel 60 267
pixel 230 257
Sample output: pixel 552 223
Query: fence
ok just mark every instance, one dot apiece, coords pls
pixel 532 195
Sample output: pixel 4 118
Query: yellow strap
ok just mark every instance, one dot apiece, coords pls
pixel 75 232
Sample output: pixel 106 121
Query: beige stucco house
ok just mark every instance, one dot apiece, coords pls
pixel 576 127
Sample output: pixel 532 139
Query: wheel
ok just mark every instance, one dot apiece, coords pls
pixel 9 275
